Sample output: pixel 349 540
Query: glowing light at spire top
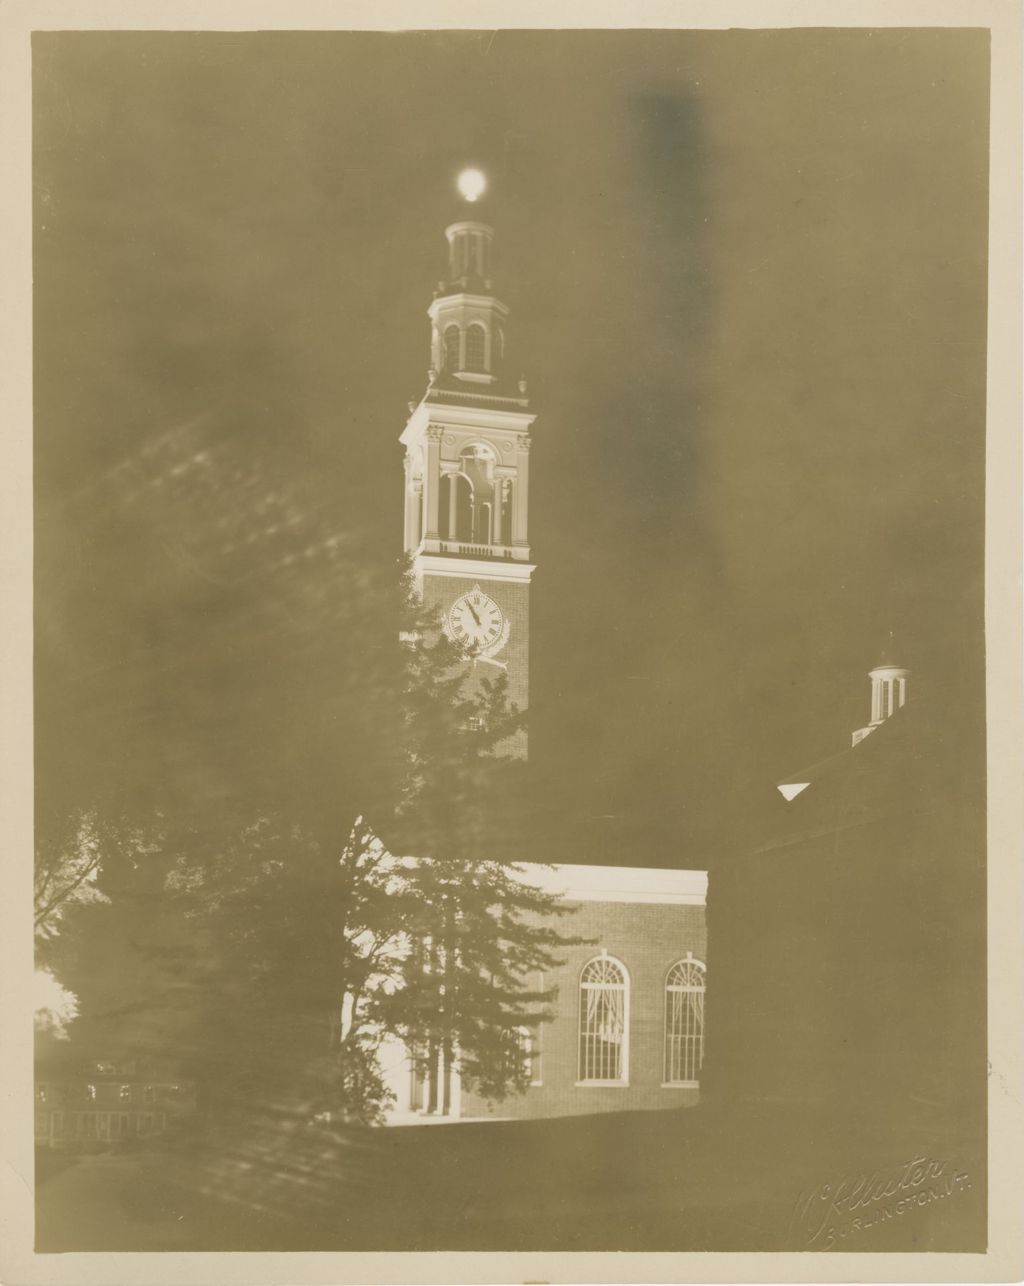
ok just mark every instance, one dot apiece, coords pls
pixel 471 184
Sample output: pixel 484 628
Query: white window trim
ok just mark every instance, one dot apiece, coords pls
pixel 623 1081
pixel 689 958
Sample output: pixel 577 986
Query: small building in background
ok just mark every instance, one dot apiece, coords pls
pixel 109 1102
pixel 628 1025
pixel 846 928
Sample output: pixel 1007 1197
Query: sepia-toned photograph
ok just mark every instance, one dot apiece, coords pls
pixel 509 640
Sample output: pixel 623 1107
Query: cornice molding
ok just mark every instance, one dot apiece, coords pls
pixel 507 571
pixel 446 416
pixel 462 299
pixel 654 885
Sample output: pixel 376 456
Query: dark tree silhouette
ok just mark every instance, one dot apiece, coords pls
pixel 256 778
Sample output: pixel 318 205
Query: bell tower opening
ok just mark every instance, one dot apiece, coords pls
pixel 476 348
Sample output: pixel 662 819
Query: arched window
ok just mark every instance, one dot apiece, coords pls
pixel 476 347
pixel 604 1023
pixel 451 348
pixel 684 1022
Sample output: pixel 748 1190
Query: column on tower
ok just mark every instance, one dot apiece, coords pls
pixel 498 510
pixel 413 504
pixel 417 513
pixel 502 517
pixel 448 502
pixel 520 492
pixel 888 691
pixel 432 481
pixel 877 700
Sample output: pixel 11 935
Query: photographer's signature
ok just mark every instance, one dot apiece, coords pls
pixel 835 1212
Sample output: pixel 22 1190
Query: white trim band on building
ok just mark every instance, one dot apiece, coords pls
pixel 493 569
pixel 581 883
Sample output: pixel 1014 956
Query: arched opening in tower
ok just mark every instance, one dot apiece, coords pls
pixel 455 507
pixel 477 463
pixel 476 346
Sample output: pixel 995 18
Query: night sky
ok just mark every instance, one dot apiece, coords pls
pixel 748 280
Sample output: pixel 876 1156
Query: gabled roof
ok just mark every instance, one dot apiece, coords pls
pixel 795 783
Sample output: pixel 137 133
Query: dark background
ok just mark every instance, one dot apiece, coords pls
pixel 748 276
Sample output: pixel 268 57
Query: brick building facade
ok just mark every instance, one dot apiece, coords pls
pixel 628 1025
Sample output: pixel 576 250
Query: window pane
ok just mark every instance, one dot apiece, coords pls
pixel 475 348
pixel 684 1021
pixel 602 1021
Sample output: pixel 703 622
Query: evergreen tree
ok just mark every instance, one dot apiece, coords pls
pixel 481 934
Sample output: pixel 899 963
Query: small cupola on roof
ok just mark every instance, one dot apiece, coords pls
pixel 889 682
pixel 888 694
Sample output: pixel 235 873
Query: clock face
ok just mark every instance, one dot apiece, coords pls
pixel 475 621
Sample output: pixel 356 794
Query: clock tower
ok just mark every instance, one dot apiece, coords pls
pixel 467 457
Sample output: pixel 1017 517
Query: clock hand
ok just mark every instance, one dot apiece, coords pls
pixel 470 606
